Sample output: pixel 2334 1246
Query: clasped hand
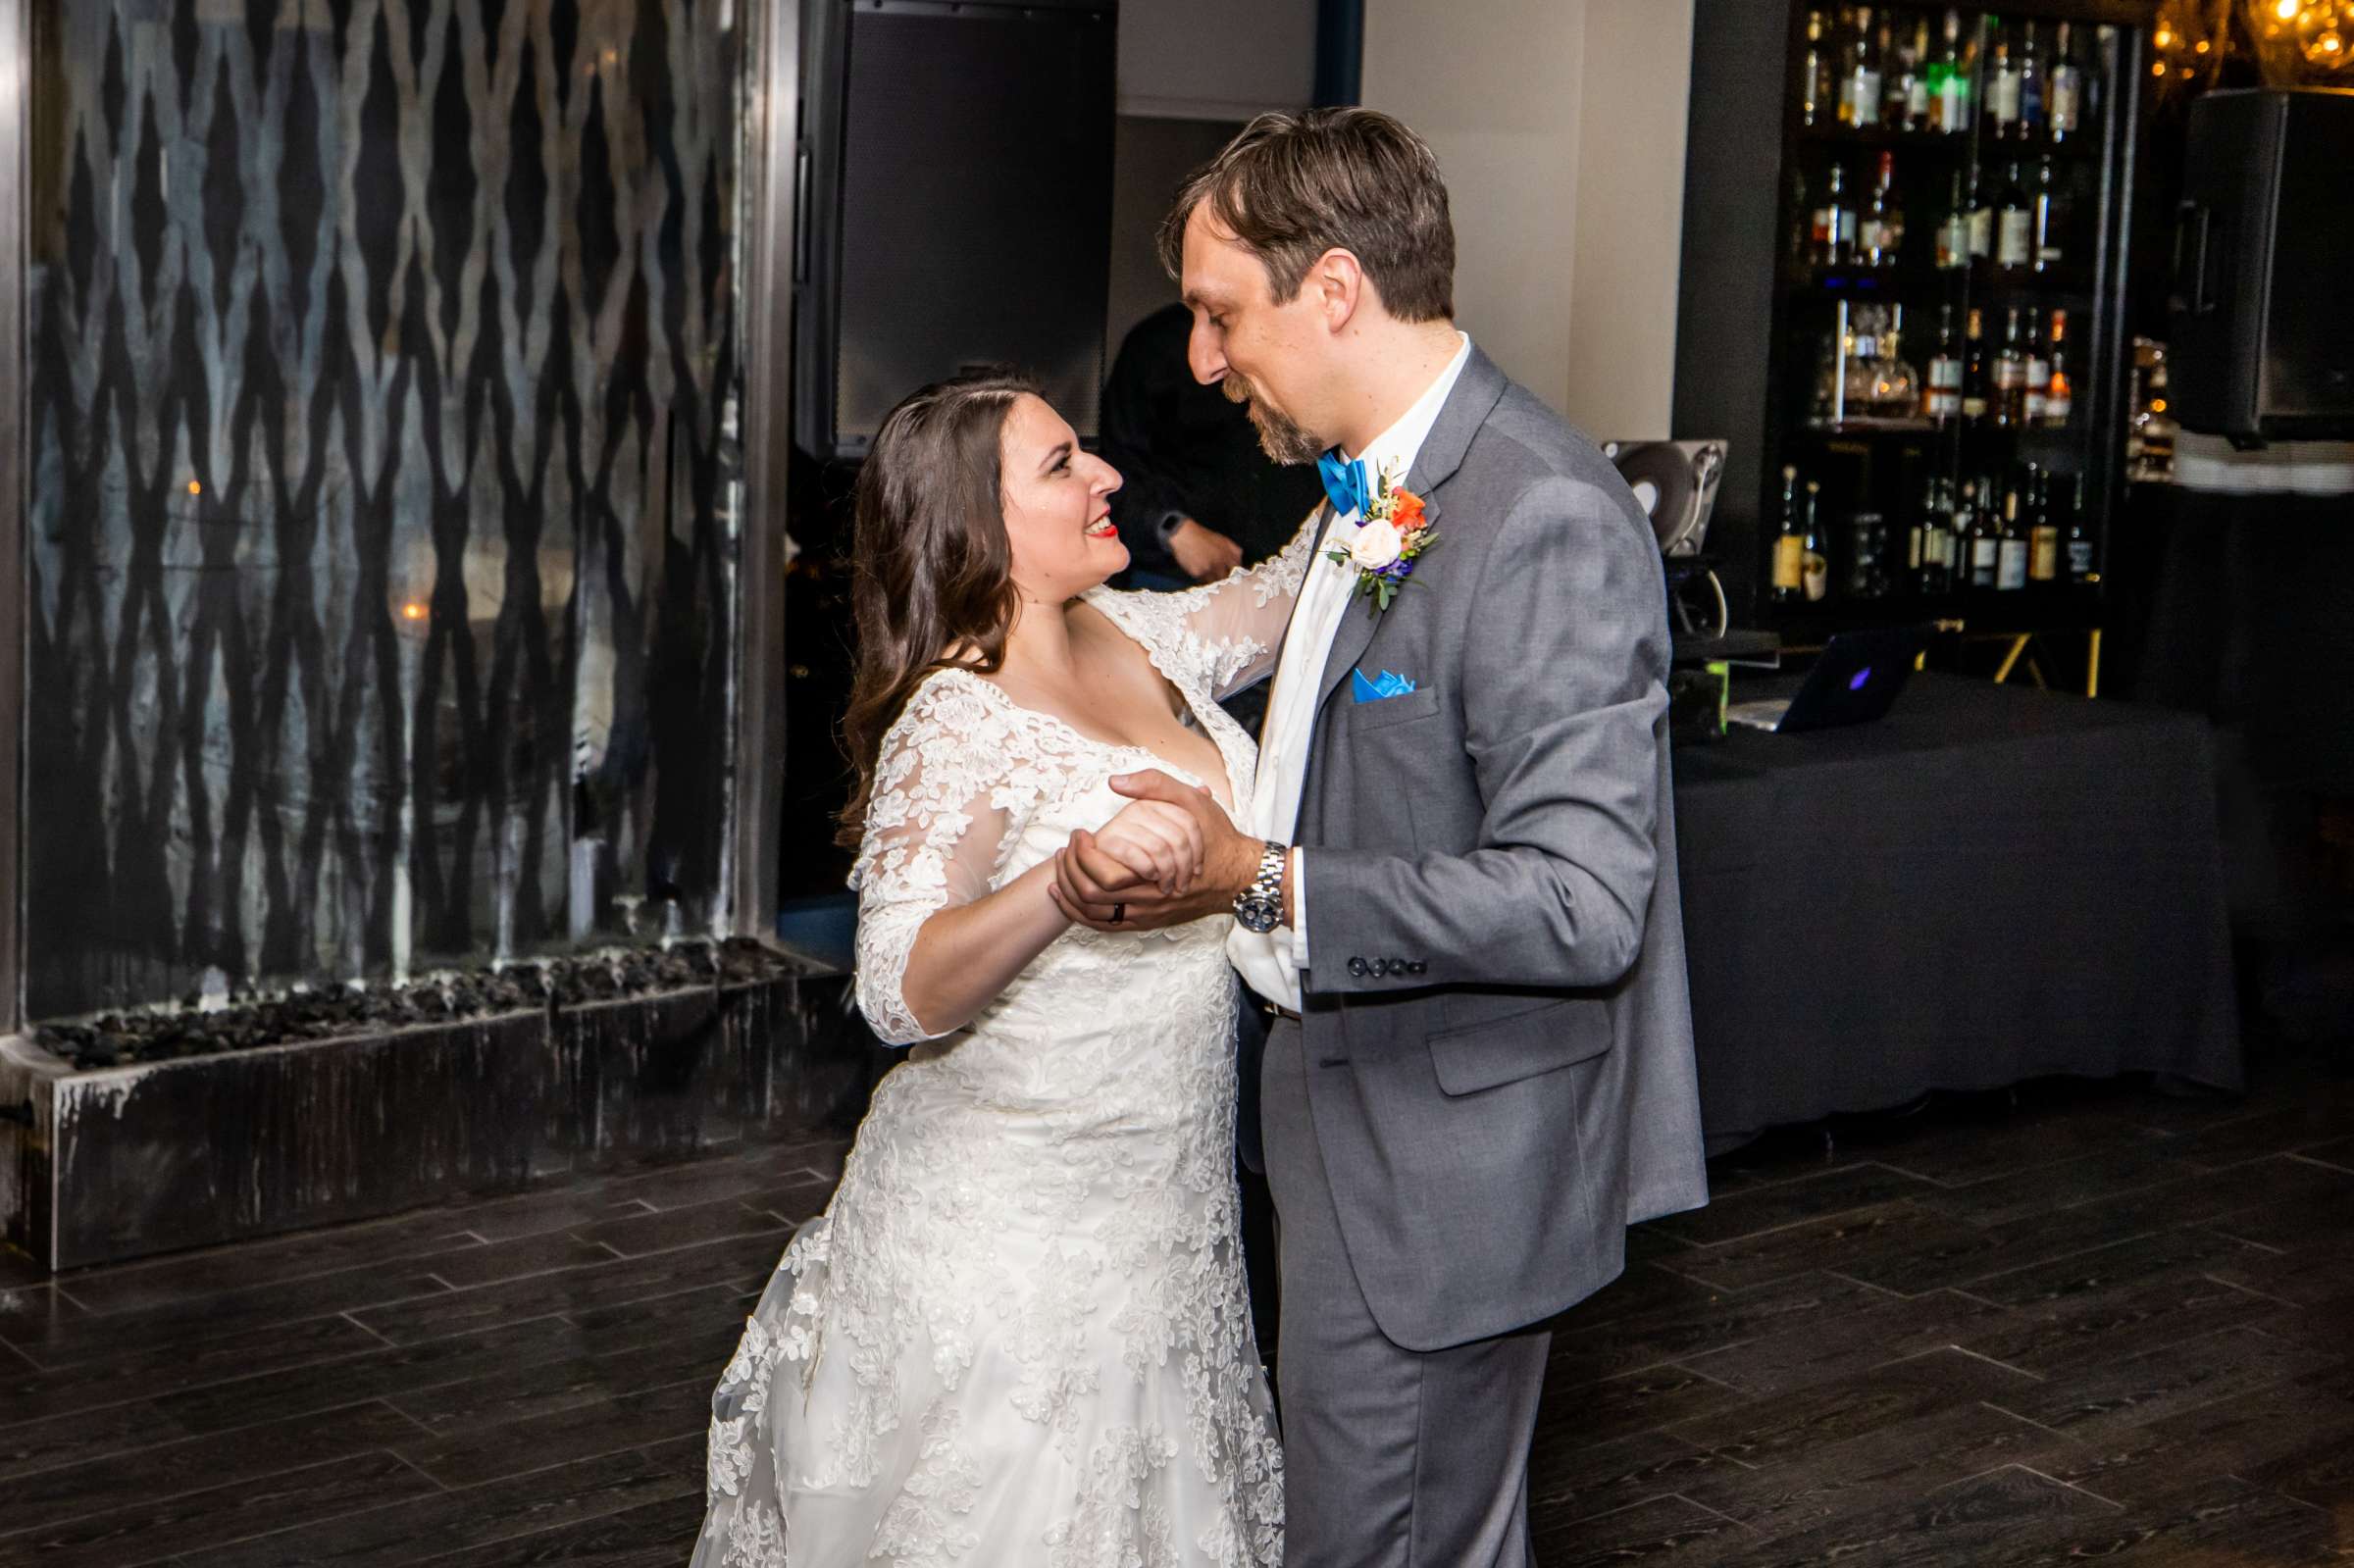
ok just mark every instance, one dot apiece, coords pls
pixel 1171 856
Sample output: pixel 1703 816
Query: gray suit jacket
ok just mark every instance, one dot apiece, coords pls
pixel 1497 1029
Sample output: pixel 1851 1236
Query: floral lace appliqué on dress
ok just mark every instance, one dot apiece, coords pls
pixel 1019 1333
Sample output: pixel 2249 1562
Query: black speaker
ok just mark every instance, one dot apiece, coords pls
pixel 955 205
pixel 2262 334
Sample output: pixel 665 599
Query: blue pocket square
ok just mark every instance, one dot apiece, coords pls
pixel 1389 685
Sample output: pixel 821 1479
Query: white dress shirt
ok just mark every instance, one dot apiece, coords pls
pixel 1271 962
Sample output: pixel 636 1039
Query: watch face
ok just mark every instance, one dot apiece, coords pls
pixel 1260 915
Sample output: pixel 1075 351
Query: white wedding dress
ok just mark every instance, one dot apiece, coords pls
pixel 1018 1335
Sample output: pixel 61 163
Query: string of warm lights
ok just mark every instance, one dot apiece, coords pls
pixel 2293 42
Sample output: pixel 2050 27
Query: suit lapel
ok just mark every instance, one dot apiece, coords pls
pixel 1474 395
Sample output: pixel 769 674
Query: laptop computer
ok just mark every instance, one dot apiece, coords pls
pixel 1854 681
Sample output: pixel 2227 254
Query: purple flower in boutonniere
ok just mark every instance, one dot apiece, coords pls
pixel 1392 534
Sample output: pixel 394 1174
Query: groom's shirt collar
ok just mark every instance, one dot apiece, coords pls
pixel 1398 446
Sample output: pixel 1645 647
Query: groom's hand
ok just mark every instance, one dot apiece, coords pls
pixel 1089 887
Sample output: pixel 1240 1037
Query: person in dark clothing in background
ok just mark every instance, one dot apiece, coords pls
pixel 1200 497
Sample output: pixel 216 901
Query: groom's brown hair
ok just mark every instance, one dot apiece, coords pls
pixel 1293 186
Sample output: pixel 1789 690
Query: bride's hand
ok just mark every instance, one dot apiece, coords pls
pixel 1158 842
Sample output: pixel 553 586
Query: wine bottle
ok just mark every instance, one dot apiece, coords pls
pixel 1789 548
pixel 1952 84
pixel 2015 225
pixel 1859 101
pixel 1984 546
pixel 1883 226
pixel 2029 122
pixel 1815 76
pixel 2080 540
pixel 1835 223
pixel 1973 368
pixel 2047 242
pixel 1941 396
pixel 1916 77
pixel 2059 397
pixel 1815 564
pixel 2011 552
pixel 2002 89
pixel 2064 100
pixel 2043 534
pixel 2007 407
pixel 2035 389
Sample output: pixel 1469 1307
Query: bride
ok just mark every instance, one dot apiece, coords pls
pixel 1019 1333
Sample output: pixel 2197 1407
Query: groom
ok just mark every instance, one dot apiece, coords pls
pixel 1455 888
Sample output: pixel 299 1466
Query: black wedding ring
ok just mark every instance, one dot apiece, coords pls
pixel 1119 912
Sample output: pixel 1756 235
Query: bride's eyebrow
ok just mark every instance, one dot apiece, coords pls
pixel 1060 452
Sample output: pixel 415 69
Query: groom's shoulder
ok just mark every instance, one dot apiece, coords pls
pixel 1523 447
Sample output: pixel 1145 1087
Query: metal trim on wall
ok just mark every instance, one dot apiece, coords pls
pixel 16 110
pixel 771 162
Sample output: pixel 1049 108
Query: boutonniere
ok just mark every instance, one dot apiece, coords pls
pixel 1389 538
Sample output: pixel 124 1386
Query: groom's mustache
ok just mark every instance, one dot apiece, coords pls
pixel 1237 389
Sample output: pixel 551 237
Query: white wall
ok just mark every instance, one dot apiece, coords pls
pixel 1216 59
pixel 1560 126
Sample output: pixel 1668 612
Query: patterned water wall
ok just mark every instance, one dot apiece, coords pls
pixel 385 485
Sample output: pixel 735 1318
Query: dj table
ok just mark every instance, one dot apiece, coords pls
pixel 1990 884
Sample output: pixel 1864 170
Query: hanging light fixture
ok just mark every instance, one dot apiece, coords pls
pixel 2188 41
pixel 2300 43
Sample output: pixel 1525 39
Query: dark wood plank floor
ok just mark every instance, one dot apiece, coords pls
pixel 2087 1322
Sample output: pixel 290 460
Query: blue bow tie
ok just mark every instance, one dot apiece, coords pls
pixel 1345 482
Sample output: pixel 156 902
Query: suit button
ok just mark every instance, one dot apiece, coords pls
pixel 1379 967
pixel 1356 967
pixel 1416 967
pixel 1399 966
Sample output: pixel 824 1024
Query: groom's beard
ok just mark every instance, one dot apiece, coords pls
pixel 1278 437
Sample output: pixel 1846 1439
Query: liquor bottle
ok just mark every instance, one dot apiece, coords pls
pixel 1941 397
pixel 2014 225
pixel 2035 391
pixel 1816 566
pixel 2002 89
pixel 1815 103
pixel 1981 220
pixel 1983 546
pixel 1951 82
pixel 1973 367
pixel 1789 546
pixel 2029 122
pixel 1953 234
pixel 2011 553
pixel 2006 407
pixel 2080 541
pixel 2043 534
pixel 1835 223
pixel 2046 238
pixel 1916 77
pixel 2059 397
pixel 1860 100
pixel 1930 547
pixel 2064 99
pixel 1882 231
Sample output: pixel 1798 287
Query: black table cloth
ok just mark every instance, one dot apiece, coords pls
pixel 1987 886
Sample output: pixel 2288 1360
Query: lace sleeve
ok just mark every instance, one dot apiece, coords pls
pixel 1224 634
pixel 934 833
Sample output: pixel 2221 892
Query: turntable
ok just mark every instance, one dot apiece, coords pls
pixel 1676 483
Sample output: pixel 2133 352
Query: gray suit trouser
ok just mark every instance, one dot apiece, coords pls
pixel 1393 1458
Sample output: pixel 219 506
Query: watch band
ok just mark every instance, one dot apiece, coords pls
pixel 1265 893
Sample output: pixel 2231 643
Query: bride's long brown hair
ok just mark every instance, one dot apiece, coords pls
pixel 932 580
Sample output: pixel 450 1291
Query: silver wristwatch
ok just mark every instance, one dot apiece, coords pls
pixel 1260 906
